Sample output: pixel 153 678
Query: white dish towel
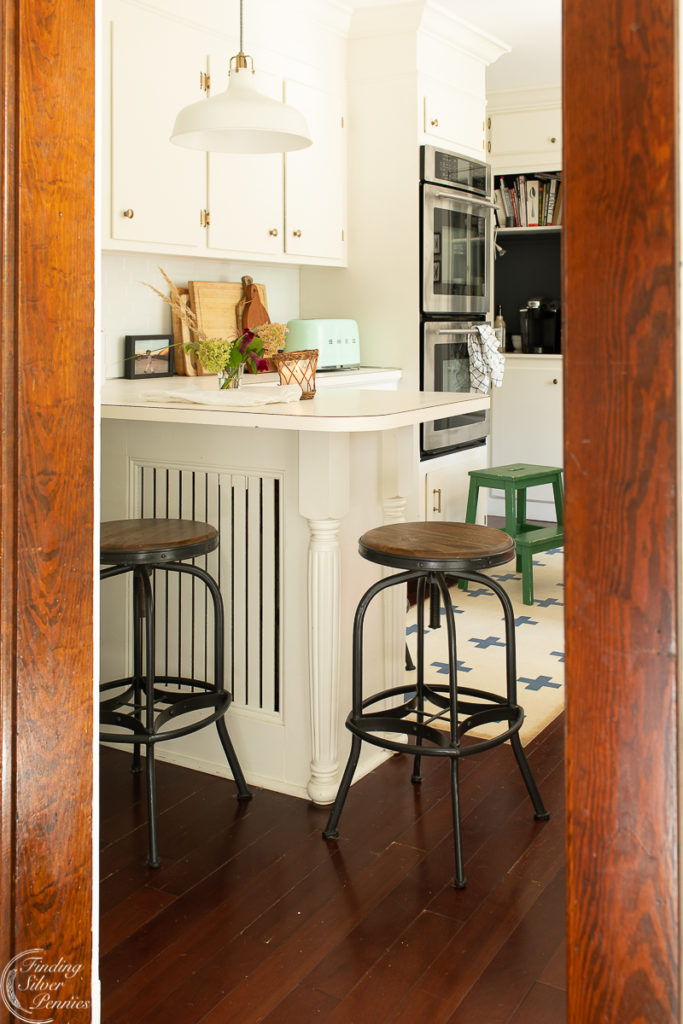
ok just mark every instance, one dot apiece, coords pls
pixel 230 398
pixel 486 362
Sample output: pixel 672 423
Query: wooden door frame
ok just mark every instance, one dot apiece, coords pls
pixel 620 298
pixel 46 496
pixel 622 516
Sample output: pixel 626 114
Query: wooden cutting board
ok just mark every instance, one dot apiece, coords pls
pixel 254 313
pixel 215 306
pixel 185 362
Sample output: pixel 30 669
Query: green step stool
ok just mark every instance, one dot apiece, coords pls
pixel 514 480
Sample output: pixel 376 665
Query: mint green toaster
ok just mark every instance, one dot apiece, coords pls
pixel 337 341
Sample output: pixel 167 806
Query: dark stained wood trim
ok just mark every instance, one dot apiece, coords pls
pixel 46 472
pixel 620 300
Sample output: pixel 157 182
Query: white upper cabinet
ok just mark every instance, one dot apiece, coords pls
pixel 162 198
pixel 155 186
pixel 455 117
pixel 526 132
pixel 315 178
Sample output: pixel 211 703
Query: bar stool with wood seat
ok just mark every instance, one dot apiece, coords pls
pixel 435 719
pixel 514 480
pixel 150 707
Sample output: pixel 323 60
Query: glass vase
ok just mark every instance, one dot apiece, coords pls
pixel 230 378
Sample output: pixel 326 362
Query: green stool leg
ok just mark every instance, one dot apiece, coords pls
pixel 510 509
pixel 527 560
pixel 472 501
pixel 471 514
pixel 559 500
pixel 521 509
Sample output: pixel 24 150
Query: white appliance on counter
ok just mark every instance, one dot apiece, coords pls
pixel 337 341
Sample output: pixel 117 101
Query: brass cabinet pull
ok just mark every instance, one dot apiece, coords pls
pixel 436 498
pixel 273 232
pixel 297 233
pixel 129 214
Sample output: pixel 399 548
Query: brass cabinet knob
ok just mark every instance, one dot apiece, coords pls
pixel 553 139
pixel 297 233
pixel 555 380
pixel 434 122
pixel 273 232
pixel 129 214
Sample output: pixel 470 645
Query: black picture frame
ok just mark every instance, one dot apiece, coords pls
pixel 147 356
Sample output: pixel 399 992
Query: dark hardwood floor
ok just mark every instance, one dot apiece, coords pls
pixel 252 916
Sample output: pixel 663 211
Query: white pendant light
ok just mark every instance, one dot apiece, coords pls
pixel 241 119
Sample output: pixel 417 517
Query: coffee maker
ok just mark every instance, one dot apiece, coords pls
pixel 541 327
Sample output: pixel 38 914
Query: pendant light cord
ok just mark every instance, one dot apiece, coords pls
pixel 241 26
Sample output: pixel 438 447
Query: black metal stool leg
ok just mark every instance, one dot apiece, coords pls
pixel 153 857
pixel 138 626
pixel 147 608
pixel 459 880
pixel 243 791
pixel 419 683
pixel 330 831
pixel 540 813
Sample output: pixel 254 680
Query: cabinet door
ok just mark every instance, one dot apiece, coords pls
pixel 315 178
pixel 455 117
pixel 521 139
pixel 246 193
pixel 526 417
pixel 446 485
pixel 158 189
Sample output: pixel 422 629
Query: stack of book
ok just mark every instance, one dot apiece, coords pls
pixel 529 202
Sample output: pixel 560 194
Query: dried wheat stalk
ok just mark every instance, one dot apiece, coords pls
pixel 182 310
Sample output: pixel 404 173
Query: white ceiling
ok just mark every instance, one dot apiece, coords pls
pixel 532 28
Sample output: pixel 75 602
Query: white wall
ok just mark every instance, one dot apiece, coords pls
pixel 128 307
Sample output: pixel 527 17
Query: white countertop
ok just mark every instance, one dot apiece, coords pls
pixel 331 410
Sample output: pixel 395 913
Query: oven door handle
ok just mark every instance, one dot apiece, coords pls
pixel 465 199
pixel 457 330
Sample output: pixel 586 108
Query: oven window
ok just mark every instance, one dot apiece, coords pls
pixel 451 366
pixel 459 253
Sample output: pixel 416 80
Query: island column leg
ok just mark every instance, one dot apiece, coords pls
pixel 324 612
pixel 323 501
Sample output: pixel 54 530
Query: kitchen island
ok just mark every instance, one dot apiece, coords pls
pixel 291 487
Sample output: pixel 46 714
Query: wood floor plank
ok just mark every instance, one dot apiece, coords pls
pixel 555 973
pixel 463 961
pixel 386 984
pixel 543 1005
pixel 507 979
pixel 300 1006
pixel 273 980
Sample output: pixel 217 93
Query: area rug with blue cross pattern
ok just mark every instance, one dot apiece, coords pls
pixel 480 634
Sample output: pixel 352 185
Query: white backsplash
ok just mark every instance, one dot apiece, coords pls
pixel 130 308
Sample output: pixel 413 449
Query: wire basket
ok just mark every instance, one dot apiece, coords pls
pixel 298 368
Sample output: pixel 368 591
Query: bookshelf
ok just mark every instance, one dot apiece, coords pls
pixel 533 200
pixel 528 258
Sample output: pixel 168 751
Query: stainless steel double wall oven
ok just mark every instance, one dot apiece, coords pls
pixel 456 229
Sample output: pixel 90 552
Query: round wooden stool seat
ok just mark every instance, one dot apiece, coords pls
pixel 137 541
pixel 430 718
pixel 442 547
